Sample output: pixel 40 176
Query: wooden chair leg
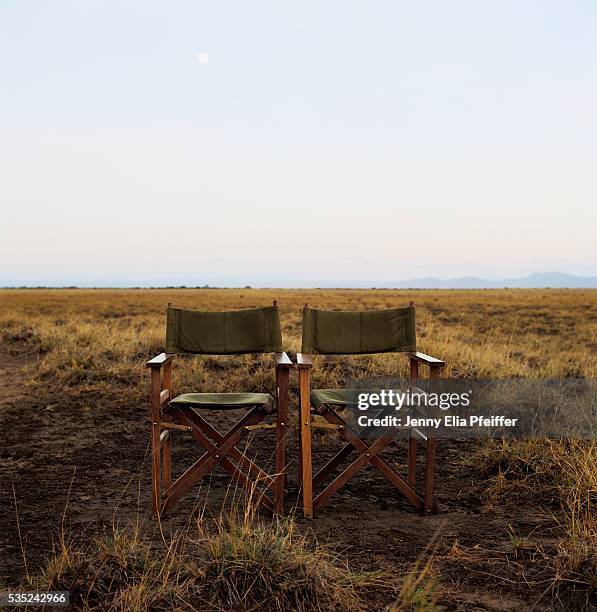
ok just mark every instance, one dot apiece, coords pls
pixel 167 442
pixel 305 429
pixel 155 441
pixel 155 469
pixel 281 429
pixel 412 442
pixel 166 460
pixel 434 374
pixel 300 454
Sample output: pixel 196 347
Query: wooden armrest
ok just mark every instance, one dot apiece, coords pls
pixel 282 360
pixel 304 361
pixel 427 360
pixel 161 360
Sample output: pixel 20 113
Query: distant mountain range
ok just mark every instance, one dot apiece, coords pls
pixel 556 280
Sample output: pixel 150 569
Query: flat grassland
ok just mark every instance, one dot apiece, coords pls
pixel 516 525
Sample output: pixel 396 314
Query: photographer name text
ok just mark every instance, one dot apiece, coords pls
pixel 436 423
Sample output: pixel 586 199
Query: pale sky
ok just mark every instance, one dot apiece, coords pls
pixel 296 143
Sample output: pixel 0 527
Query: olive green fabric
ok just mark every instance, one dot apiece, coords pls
pixel 255 330
pixel 228 401
pixel 336 397
pixel 331 397
pixel 328 332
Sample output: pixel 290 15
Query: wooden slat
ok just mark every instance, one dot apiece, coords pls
pixel 208 461
pixel 317 425
pixel 282 360
pixel 414 371
pixel 329 467
pixel 305 428
pixel 154 397
pixel 426 359
pixel 434 374
pixel 303 360
pixel 243 461
pixel 168 425
pixel 367 454
pixel 166 395
pixel 419 434
pixel 283 380
pixel 198 425
pixel 299 476
pixel 398 482
pixel 167 377
pixel 261 426
pixel 180 487
pixel 166 441
pixel 160 360
pixel 377 462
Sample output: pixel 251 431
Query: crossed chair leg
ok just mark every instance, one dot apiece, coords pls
pixel 369 454
pixel 219 449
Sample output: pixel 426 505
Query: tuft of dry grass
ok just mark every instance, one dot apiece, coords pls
pixel 119 571
pixel 272 566
pixel 561 476
pixel 236 563
pixel 419 587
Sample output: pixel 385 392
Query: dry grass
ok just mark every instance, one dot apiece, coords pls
pixel 561 477
pixel 419 588
pixel 238 563
pixel 100 339
pixel 104 336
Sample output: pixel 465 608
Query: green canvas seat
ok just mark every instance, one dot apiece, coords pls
pixel 225 401
pixel 329 397
pixel 322 398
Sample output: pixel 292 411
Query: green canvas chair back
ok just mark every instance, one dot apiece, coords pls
pixel 327 332
pixel 233 332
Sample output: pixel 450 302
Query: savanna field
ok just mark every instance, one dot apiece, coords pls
pixel 516 527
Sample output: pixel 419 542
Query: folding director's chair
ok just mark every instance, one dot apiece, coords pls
pixel 254 330
pixel 358 333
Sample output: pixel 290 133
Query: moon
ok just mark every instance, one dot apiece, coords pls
pixel 203 58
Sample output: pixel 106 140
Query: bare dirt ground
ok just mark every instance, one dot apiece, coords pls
pixel 80 458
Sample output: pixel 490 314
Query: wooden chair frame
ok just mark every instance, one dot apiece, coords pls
pixel 219 448
pixel 368 454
